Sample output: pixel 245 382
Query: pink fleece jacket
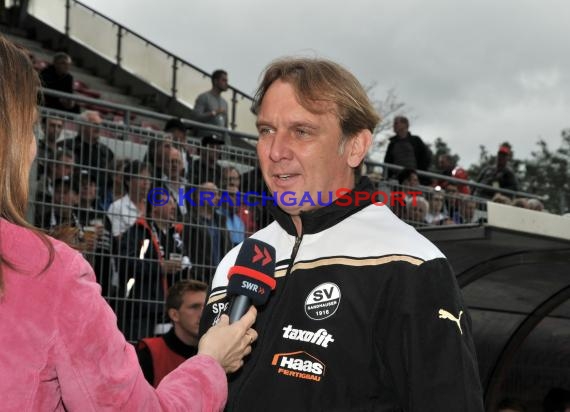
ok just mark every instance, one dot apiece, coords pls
pixel 60 348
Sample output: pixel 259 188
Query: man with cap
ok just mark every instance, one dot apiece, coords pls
pixel 499 176
pixel 208 169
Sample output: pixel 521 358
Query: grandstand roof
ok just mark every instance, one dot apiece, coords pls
pixel 515 278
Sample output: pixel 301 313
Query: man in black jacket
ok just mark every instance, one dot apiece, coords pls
pixel 366 314
pixel 57 77
pixel 407 150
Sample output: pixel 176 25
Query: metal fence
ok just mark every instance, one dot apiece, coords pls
pixel 147 209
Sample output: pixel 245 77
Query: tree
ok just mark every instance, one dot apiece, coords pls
pixel 547 174
pixel 388 108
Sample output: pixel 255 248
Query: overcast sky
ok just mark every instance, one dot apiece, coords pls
pixel 477 72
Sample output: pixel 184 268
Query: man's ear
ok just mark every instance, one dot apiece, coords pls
pixel 173 315
pixel 358 146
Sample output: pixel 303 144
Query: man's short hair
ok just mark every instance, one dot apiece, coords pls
pixel 402 119
pixel 177 291
pixel 61 56
pixel 217 74
pixel 318 81
pixel 174 124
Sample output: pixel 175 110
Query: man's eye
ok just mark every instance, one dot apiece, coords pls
pixel 302 132
pixel 263 131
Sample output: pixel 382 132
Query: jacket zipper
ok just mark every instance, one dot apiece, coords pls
pixel 296 246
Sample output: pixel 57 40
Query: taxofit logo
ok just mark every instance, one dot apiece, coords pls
pixel 160 196
pixel 299 365
pixel 320 337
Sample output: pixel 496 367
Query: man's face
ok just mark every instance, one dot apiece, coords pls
pixel 90 131
pixel 221 83
pixel 210 154
pixel 174 164
pixel 412 180
pixel 53 129
pixel 400 126
pixel 298 150
pixel 187 317
pixel 62 65
pixel 140 185
pixel 208 196
pixel 178 135
pixel 231 180
pixel 63 167
pixel 88 190
pixel 166 212
pixel 64 195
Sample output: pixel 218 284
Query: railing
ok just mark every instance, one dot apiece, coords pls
pixel 165 71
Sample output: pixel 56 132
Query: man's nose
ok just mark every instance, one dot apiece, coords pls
pixel 280 147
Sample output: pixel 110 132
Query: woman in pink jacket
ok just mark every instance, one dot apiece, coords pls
pixel 60 348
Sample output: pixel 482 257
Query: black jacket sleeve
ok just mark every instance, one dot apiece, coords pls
pixel 425 344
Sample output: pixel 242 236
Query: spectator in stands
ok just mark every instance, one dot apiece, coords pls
pixel 117 188
pixel 229 208
pixel 210 106
pixel 447 166
pixel 57 77
pixel 499 198
pixel 511 405
pixel 159 356
pixel 453 204
pixel 152 256
pixel 56 168
pixel 96 229
pixel 62 218
pixel 176 183
pixel 89 152
pixel 407 150
pixel 209 237
pixel 157 157
pixel 207 168
pixel 417 210
pixel 436 213
pixel 231 183
pixel 535 204
pixel 124 212
pixel 468 209
pixel 178 131
pixel 409 178
pixel 64 207
pixel 88 196
pixel 48 147
pixel 520 202
pixel 498 176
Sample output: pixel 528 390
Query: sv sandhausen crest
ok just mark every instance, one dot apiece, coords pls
pixel 323 301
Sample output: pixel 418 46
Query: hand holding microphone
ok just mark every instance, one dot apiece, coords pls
pixel 251 279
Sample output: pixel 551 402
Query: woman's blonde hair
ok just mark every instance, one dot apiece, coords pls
pixel 18 112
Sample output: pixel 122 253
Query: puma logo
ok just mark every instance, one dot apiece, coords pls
pixel 443 314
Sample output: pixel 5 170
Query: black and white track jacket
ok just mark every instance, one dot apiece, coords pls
pixel 366 316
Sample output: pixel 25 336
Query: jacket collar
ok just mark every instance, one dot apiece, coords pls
pixel 317 220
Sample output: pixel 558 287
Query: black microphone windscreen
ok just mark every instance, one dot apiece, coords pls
pixel 253 272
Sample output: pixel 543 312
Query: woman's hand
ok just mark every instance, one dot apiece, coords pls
pixel 229 344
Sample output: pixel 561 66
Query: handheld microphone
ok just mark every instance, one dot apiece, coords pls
pixel 251 279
